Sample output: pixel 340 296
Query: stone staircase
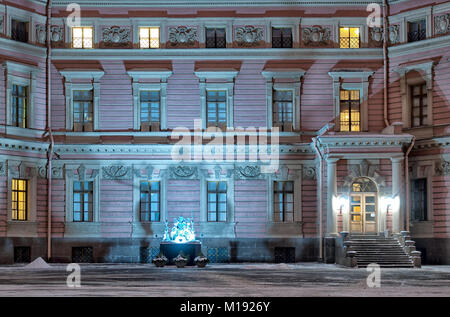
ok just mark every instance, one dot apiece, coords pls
pixel 387 252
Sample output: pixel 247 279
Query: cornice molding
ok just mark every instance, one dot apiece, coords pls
pixel 150 74
pixel 351 74
pixel 94 75
pixel 24 48
pixel 419 47
pixel 216 54
pixel 367 141
pixel 435 143
pixel 296 74
pixel 216 74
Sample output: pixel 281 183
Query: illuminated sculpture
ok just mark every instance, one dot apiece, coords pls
pixel 182 231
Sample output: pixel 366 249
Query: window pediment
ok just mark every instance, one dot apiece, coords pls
pixel 162 75
pixel 296 74
pixel 228 75
pixel 364 75
pixel 94 75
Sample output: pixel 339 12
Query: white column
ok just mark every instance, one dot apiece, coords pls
pixel 396 191
pixel 331 192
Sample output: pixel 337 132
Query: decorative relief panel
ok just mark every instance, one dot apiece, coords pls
pixel 182 36
pixel 442 168
pixel 248 172
pixel 364 169
pixel 183 172
pixel 249 35
pixel 394 34
pixel 442 24
pixel 218 172
pixel 376 35
pixel 56 33
pixel 116 36
pixel 309 173
pixel 116 172
pixel 41 34
pixel 82 173
pixel 316 36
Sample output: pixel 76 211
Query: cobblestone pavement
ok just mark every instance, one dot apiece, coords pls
pixel 305 279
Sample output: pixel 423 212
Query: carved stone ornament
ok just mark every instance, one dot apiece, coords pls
pixel 442 24
pixel 249 35
pixel 182 35
pixel 309 173
pixel 183 172
pixel 56 33
pixel 442 168
pixel 248 172
pixel 2 19
pixel 218 172
pixel 394 34
pixel 376 35
pixel 3 168
pixel 316 36
pixel 364 169
pixel 41 34
pixel 116 172
pixel 116 36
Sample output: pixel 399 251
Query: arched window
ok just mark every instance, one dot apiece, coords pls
pixel 364 185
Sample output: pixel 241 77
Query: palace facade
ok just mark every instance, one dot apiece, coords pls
pixel 89 107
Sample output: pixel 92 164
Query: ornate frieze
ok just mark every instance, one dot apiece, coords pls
pixel 442 168
pixel 316 36
pixel 248 172
pixel 309 173
pixel 394 34
pixel 182 36
pixel 116 172
pixel 249 35
pixel 116 36
pixel 183 172
pixel 41 34
pixel 442 24
pixel 56 33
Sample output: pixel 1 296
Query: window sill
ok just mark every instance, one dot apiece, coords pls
pixel 25 132
pixel 423 132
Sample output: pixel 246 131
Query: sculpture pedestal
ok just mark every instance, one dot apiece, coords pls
pixel 172 249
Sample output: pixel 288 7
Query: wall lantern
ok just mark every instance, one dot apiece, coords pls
pixel 340 203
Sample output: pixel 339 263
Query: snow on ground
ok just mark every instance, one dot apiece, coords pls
pixel 246 279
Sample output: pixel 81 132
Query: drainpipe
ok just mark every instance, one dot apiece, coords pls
pixel 407 204
pixel 385 61
pixel 50 135
pixel 322 131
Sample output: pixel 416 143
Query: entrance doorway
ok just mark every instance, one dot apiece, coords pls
pixel 363 207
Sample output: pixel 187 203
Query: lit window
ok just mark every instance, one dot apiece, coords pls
pixel 19 201
pixel 349 37
pixel 83 197
pixel 82 37
pixel 150 110
pixel 19 106
pixel 283 109
pixel 217 201
pixel 150 204
pixel 149 37
pixel 283 201
pixel 350 116
pixel 216 103
pixel 82 110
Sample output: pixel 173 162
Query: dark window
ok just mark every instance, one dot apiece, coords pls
pixel 83 197
pixel 22 254
pixel 19 199
pixel 283 201
pixel 216 103
pixel 150 110
pixel 82 110
pixel 419 208
pixel 217 201
pixel 350 113
pixel 417 31
pixel 82 255
pixel 150 203
pixel 283 109
pixel 281 37
pixel 215 38
pixel 19 31
pixel 419 105
pixel 284 255
pixel 19 107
